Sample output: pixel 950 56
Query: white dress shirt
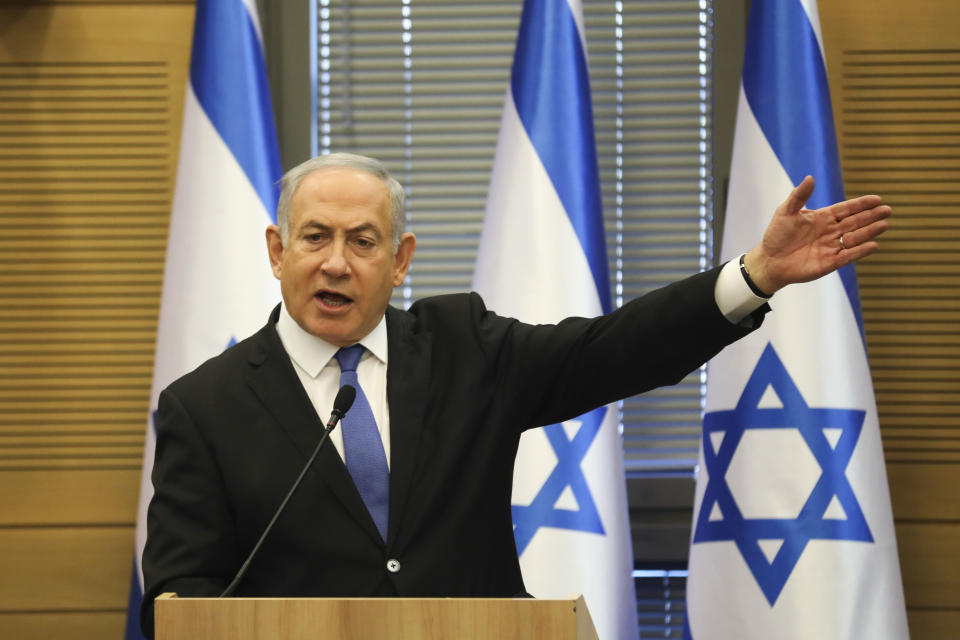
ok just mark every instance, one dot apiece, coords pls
pixel 319 371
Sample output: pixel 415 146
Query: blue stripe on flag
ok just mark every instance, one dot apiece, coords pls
pixel 556 112
pixel 785 82
pixel 132 631
pixel 228 75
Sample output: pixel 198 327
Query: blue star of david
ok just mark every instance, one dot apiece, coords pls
pixel 541 512
pixel 810 524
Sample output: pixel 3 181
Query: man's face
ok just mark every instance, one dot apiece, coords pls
pixel 338 269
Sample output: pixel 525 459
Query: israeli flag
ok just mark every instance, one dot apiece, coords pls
pixel 541 259
pixel 217 283
pixel 792 528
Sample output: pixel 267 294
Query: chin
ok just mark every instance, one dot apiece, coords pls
pixel 339 338
pixel 333 337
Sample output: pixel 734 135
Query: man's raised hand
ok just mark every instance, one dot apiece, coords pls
pixel 800 245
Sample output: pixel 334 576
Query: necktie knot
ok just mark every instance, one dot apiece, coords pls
pixel 349 357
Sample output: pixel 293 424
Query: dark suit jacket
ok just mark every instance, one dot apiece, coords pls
pixel 462 384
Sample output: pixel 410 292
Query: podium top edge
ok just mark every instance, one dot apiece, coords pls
pixel 174 596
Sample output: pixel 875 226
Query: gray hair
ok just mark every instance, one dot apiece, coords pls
pixel 292 179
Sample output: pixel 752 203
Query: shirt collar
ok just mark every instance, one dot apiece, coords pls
pixel 312 353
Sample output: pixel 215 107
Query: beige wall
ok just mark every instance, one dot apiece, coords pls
pixel 90 105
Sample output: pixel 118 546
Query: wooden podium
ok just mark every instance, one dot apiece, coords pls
pixel 369 618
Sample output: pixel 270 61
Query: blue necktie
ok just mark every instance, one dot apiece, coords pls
pixel 362 445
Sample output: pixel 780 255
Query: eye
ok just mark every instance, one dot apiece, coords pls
pixel 364 243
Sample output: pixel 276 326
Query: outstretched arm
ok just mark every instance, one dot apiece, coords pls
pixel 800 245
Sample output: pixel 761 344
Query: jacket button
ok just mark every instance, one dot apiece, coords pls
pixel 393 565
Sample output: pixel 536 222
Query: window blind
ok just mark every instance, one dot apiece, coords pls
pixel 661 602
pixel 420 85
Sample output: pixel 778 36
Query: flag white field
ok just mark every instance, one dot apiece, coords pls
pixel 793 532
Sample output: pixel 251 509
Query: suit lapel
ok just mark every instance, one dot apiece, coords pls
pixel 276 384
pixel 408 376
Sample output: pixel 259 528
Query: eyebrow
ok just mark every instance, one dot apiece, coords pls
pixel 314 225
pixel 319 226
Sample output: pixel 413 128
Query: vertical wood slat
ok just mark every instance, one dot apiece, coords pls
pixel 893 71
pixel 90 106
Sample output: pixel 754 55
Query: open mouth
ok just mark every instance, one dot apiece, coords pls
pixel 332 299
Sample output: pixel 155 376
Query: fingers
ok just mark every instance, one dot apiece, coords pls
pixel 859 242
pixel 861 228
pixel 864 218
pixel 848 208
pixel 799 196
pixel 852 254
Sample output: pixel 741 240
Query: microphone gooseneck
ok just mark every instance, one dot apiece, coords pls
pixel 341 405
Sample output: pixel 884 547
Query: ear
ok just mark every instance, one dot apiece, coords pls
pixel 401 260
pixel 275 249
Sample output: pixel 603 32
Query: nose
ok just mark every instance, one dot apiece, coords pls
pixel 335 262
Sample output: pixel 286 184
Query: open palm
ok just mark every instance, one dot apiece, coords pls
pixel 800 244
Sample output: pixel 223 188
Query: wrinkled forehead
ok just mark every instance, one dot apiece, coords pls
pixel 342 190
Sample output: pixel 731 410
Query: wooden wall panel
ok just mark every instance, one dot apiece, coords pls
pixel 917 485
pixel 926 548
pixel 64 496
pixel 64 625
pixel 91 97
pixel 77 567
pixel 894 71
pixel 935 624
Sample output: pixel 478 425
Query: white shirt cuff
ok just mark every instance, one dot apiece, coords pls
pixel 734 297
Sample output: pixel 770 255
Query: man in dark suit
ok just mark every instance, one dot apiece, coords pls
pixel 448 386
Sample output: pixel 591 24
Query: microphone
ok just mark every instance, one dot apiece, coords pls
pixel 341 405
